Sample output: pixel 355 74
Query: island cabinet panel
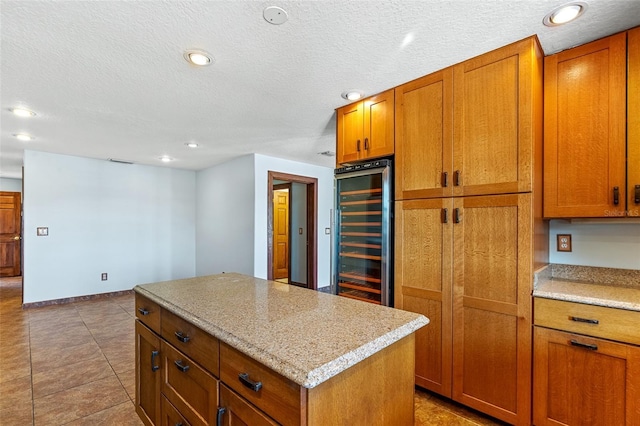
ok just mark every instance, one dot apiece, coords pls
pixel 190 340
pixel 584 131
pixel 190 388
pixel 148 312
pixel 584 380
pixel 238 412
pixel 272 393
pixel 423 284
pixel 148 374
pixel 171 416
pixel 364 130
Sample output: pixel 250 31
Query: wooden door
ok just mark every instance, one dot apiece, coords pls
pixel 349 133
pixel 379 125
pixel 497 119
pixel 423 250
pixel 633 123
pixel 584 129
pixel 10 234
pixel 281 234
pixel 148 372
pixel 239 412
pixel 423 145
pixel 581 380
pixel 492 273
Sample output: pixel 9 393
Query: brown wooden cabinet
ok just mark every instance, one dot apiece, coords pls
pixel 365 129
pixel 585 137
pixel 148 372
pixel 238 411
pixel 633 123
pixel 470 129
pixel 580 379
pixel 469 229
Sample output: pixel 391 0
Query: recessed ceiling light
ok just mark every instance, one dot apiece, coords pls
pixel 352 95
pixel 565 13
pixel 191 144
pixel 23 137
pixel 166 159
pixel 22 112
pixel 198 57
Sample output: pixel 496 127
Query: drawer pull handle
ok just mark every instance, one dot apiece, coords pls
pixel 221 412
pixel 180 366
pixel 254 386
pixel 154 367
pixel 358 145
pixel 182 337
pixel 445 215
pixel 456 178
pixel 178 424
pixel 456 215
pixel 366 144
pixel 583 345
pixel 143 311
pixel 636 194
pixel 445 179
pixel 588 321
pixel 616 195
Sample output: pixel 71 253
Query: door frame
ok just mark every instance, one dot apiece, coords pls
pixel 312 228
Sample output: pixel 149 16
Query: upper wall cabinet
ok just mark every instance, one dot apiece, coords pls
pixel 365 129
pixel 585 141
pixel 471 129
pixel 633 124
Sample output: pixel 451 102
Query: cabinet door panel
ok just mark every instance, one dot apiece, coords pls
pixel 585 130
pixel 495 119
pixel 379 125
pixel 633 125
pixel 148 374
pixel 577 385
pixel 424 119
pixel 350 139
pixel 492 260
pixel 423 284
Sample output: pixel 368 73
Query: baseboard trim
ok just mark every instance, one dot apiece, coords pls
pixel 76 299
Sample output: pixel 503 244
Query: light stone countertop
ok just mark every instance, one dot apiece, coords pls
pixel 305 335
pixel 613 288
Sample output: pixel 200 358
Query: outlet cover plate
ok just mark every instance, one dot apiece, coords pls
pixel 564 242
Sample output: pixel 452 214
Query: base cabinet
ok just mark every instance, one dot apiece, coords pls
pixel 580 380
pixel 147 372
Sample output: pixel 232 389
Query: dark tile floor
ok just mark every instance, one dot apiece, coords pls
pixel 73 364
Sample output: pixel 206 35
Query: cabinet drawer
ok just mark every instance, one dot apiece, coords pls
pixel 598 321
pixel 195 343
pixel 148 312
pixel 277 396
pixel 171 416
pixel 240 412
pixel 190 389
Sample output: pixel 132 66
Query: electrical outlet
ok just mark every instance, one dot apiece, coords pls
pixel 104 276
pixel 564 242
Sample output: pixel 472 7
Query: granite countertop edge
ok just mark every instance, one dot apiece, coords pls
pixel 306 379
pixel 602 291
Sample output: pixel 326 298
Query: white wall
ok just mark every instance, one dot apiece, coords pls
pixel 612 244
pixel 225 218
pixel 263 165
pixel 137 223
pixel 11 185
pixel 299 241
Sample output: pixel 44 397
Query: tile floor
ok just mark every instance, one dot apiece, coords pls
pixel 73 364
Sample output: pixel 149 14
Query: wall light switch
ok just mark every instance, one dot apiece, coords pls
pixel 327 231
pixel 300 231
pixel 564 242
pixel 42 231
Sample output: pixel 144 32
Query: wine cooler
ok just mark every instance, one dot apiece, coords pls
pixel 361 249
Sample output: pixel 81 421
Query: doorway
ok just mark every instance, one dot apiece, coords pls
pixel 291 229
pixel 10 234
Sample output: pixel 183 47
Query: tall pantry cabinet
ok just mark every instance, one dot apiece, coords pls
pixel 469 229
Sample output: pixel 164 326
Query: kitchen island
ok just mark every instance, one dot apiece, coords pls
pixel 229 347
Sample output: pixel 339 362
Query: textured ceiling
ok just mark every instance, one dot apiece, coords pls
pixel 108 80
